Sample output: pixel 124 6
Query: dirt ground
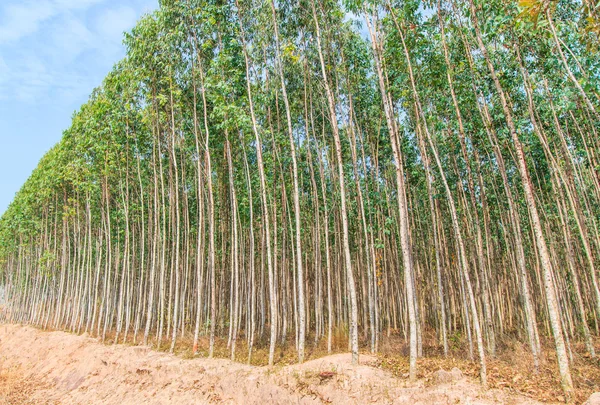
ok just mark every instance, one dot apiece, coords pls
pixel 38 367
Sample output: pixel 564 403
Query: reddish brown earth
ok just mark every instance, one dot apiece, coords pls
pixel 38 367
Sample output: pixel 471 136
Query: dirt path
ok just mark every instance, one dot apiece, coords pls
pixel 40 367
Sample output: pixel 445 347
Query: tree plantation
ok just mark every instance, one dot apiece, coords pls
pixel 287 174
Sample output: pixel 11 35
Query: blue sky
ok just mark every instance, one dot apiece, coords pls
pixel 52 54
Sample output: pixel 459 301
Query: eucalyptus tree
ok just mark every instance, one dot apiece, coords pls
pixel 340 167
pixel 373 25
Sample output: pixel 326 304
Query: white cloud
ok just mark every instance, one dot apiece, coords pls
pixel 56 51
pixel 75 4
pixel 25 77
pixel 68 38
pixel 111 24
pixel 24 18
pixel 33 80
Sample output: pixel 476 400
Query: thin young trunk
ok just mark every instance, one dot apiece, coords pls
pixel 341 179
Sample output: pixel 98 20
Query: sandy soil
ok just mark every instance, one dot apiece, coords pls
pixel 38 367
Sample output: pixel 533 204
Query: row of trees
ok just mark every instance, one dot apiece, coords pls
pixel 279 172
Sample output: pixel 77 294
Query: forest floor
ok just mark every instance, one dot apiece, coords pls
pixel 39 367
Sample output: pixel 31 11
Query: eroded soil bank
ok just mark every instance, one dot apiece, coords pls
pixel 38 367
